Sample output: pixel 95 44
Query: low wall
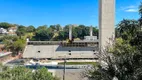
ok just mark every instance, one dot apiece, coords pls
pixel 5 56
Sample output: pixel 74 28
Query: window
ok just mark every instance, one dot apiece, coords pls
pixel 69 53
pixel 38 51
pixel 93 50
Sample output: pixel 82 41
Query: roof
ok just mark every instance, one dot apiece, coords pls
pixel 2 54
pixel 83 41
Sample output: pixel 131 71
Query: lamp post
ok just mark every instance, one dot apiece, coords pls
pixel 64 71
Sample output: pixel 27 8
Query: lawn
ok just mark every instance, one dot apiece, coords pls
pixel 78 63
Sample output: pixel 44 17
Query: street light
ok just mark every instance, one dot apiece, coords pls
pixel 64 71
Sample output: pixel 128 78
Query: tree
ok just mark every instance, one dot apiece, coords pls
pixel 95 31
pixel 66 28
pixel 30 28
pixel 53 27
pixel 43 35
pixel 42 27
pixel 74 33
pixel 128 28
pixel 137 41
pixel 123 63
pixel 13 43
pixel 23 73
pixel 140 12
pixel 18 46
pixel 82 31
pixel 5 25
pixel 21 31
pixel 140 9
pixel 8 41
pixel 42 74
pixel 62 35
pixel 58 27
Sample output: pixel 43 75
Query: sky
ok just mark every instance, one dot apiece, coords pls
pixel 63 12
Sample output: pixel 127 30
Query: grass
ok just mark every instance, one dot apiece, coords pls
pixel 78 63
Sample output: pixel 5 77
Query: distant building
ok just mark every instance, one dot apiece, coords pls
pixel 9 31
pixel 3 31
pixel 73 49
pixel 12 30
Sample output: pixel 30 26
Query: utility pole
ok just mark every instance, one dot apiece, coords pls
pixel 64 71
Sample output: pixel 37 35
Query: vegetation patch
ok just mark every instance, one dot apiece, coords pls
pixel 79 63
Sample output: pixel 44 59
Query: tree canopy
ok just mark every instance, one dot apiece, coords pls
pixel 23 73
pixel 6 25
pixel 123 61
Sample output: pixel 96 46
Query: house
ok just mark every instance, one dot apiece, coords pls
pixel 12 30
pixel 3 31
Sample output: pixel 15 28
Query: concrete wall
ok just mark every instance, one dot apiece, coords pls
pixel 56 51
pixel 106 22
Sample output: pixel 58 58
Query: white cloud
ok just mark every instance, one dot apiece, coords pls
pixel 131 8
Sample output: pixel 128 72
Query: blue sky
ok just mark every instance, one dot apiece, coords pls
pixel 41 12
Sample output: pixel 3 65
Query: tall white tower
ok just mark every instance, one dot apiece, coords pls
pixel 106 23
pixel 70 32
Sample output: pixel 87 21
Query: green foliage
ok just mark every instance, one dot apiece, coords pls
pixel 124 62
pixel 30 29
pixel 127 29
pixel 140 12
pixel 137 41
pixel 42 74
pixel 53 32
pixel 21 30
pixel 13 43
pixel 53 27
pixel 18 45
pixel 79 63
pixel 58 27
pixel 5 25
pixel 43 34
pixel 44 27
pixel 122 47
pixel 62 35
pixel 140 9
pixel 22 73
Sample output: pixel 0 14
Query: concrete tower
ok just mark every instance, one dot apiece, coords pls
pixel 70 32
pixel 106 23
pixel 91 31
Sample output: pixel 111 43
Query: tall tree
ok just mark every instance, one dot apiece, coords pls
pixel 43 35
pixel 123 62
pixel 21 30
pixel 128 28
pixel 23 73
pixel 95 31
pixel 41 27
pixel 30 28
pixel 140 9
pixel 140 12
pixel 5 25
pixel 58 27
pixel 53 27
